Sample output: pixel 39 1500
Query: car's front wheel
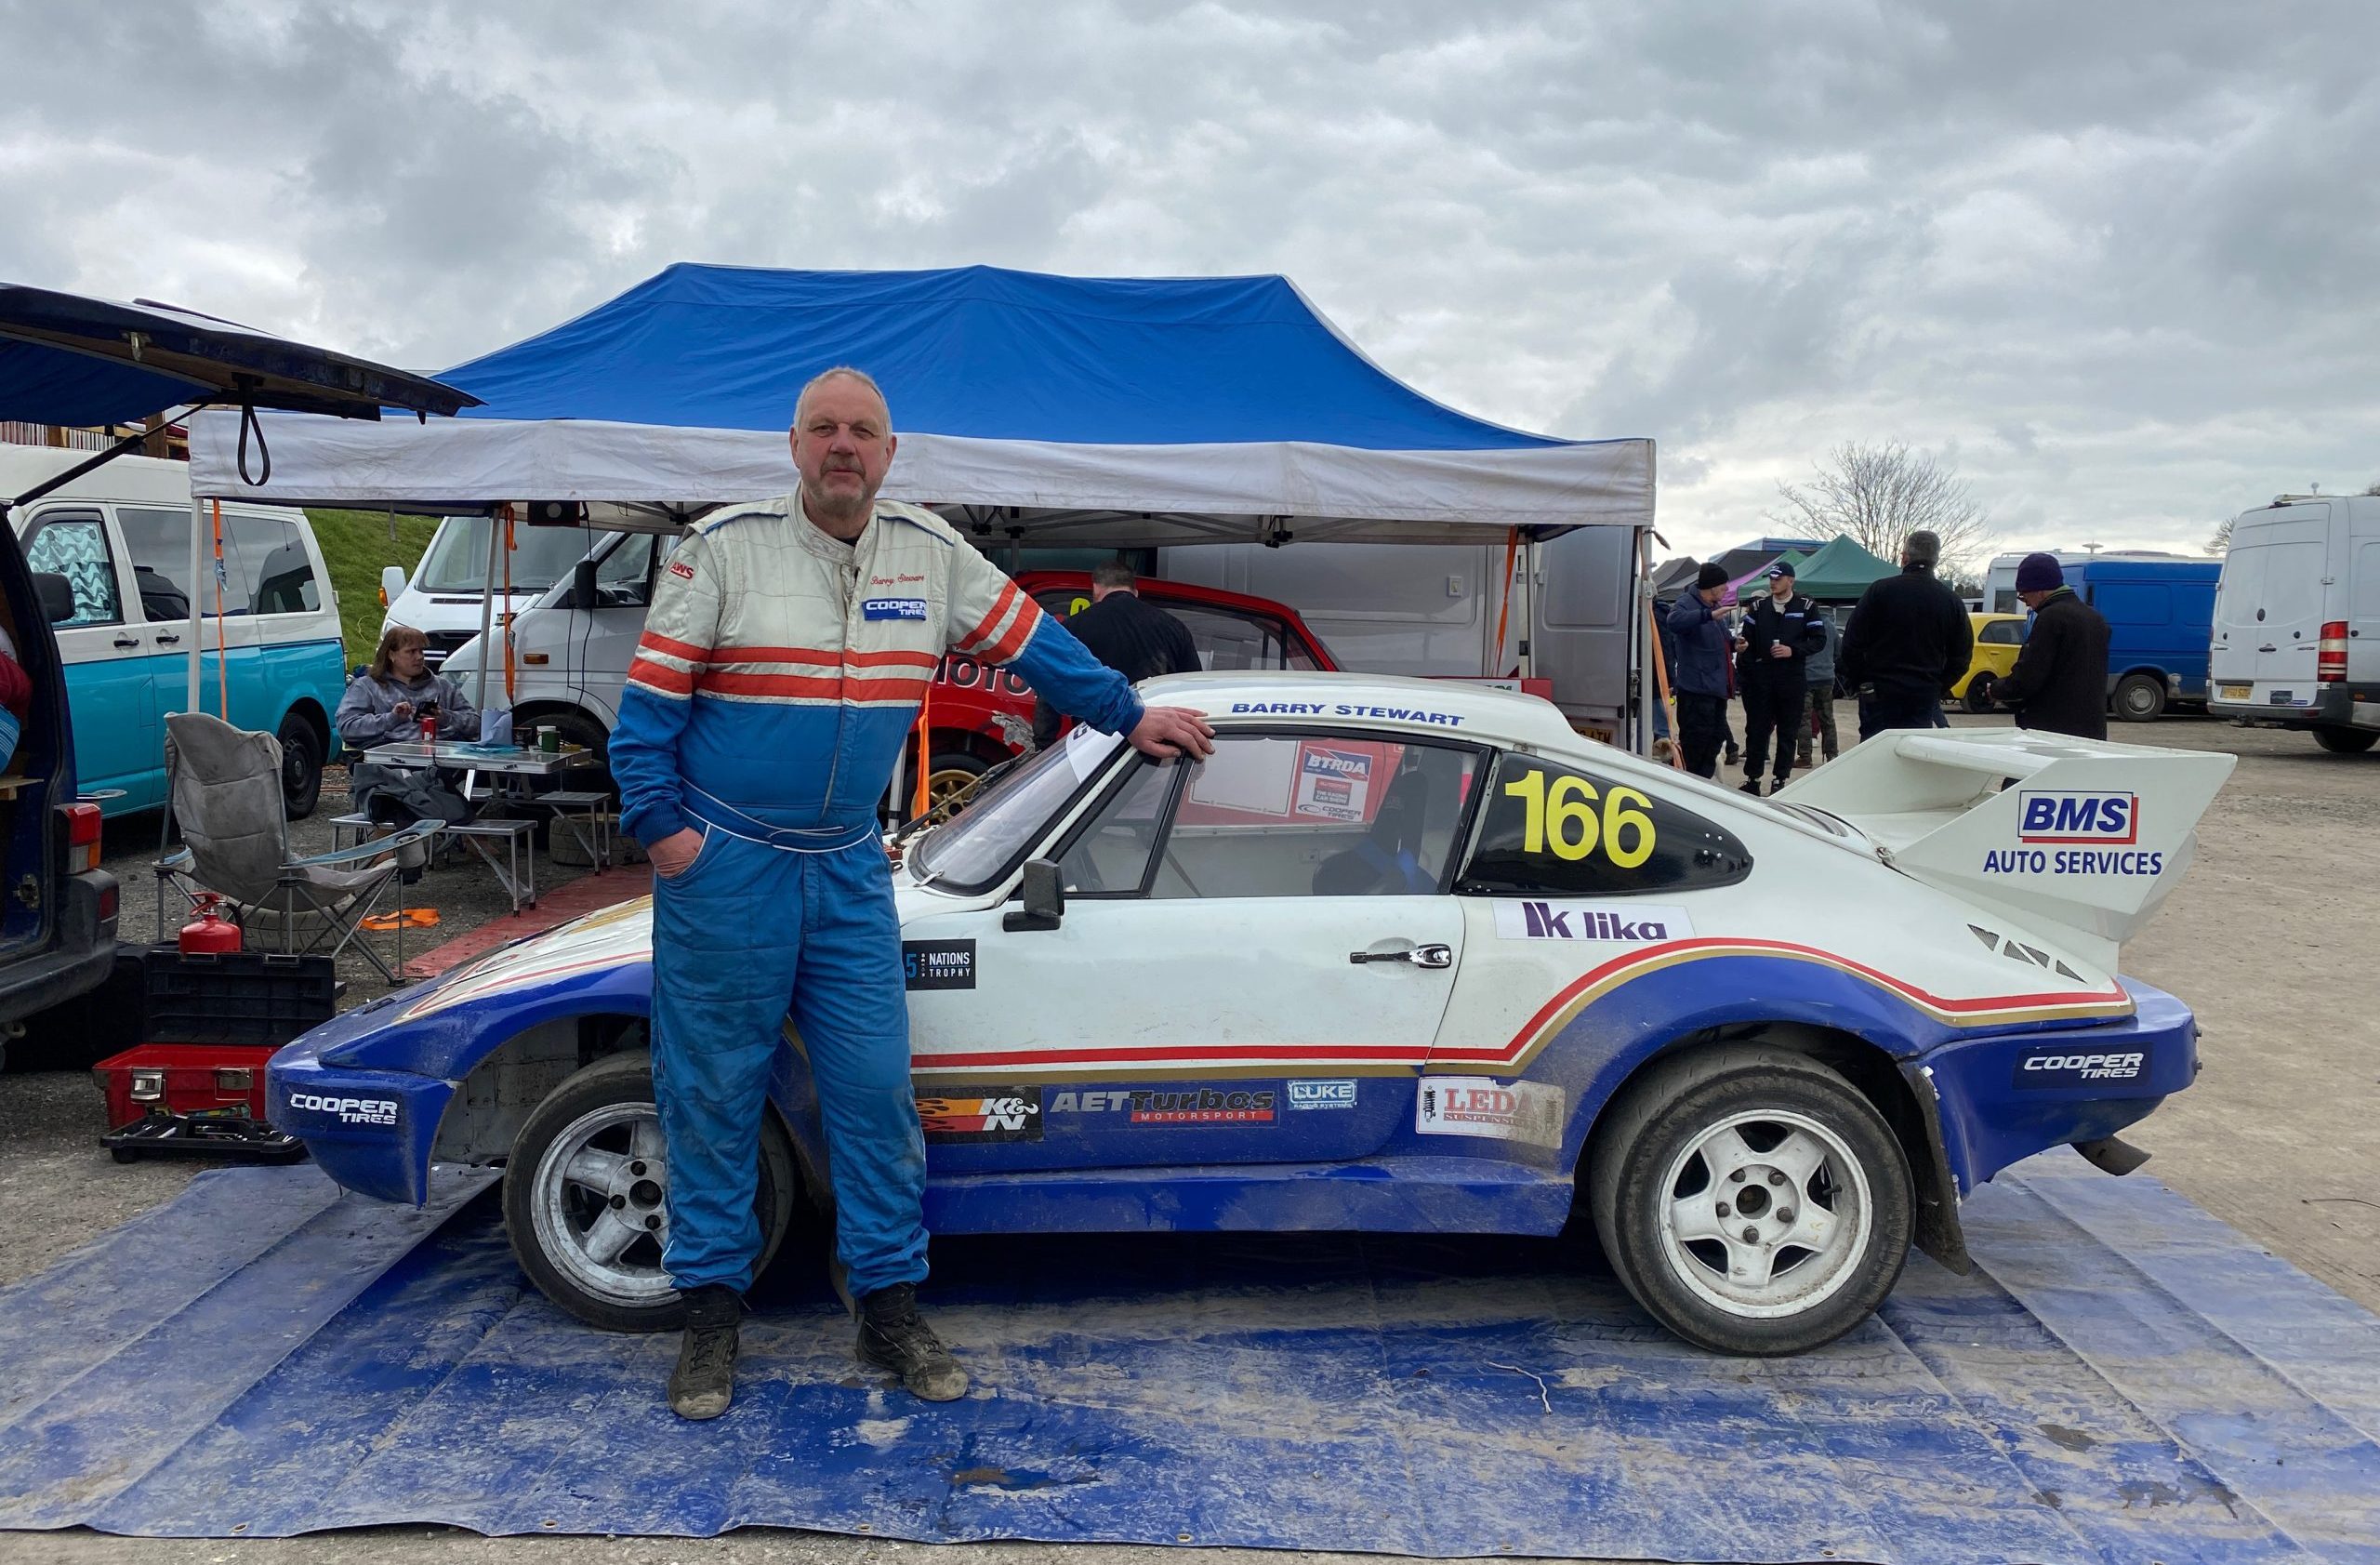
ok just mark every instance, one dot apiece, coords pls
pixel 1752 1199
pixel 584 1196
pixel 1979 696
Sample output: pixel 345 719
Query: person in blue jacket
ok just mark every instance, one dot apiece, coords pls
pixel 1699 675
pixel 782 663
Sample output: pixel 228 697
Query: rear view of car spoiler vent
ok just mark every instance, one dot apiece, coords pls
pixel 2081 832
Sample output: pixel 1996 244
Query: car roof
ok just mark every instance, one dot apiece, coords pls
pixel 1373 701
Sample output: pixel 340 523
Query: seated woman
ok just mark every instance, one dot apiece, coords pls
pixel 388 702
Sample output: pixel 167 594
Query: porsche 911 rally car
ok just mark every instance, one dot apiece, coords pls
pixel 1401 955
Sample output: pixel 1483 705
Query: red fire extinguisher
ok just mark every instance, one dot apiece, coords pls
pixel 210 931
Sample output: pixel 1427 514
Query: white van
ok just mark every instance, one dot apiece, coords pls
pixel 110 554
pixel 2297 620
pixel 570 660
pixel 442 598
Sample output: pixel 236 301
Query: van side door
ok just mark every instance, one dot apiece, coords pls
pixel 106 652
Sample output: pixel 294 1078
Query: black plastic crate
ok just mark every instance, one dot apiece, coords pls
pixel 236 997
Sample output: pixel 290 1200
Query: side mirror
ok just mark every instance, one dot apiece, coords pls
pixel 584 592
pixel 1045 899
pixel 392 584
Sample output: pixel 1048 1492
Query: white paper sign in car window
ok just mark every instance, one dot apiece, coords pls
pixel 1525 1111
pixel 1619 923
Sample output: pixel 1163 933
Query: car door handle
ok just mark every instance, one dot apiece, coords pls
pixel 127 641
pixel 169 641
pixel 1419 956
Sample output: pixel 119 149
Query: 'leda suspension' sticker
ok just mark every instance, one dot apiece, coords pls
pixel 1526 1111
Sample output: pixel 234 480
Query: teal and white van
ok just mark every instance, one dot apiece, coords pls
pixel 111 557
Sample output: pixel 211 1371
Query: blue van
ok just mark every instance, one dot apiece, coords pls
pixel 2161 618
pixel 110 555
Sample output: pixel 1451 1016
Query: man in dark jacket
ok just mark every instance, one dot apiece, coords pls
pixel 1906 644
pixel 1699 673
pixel 1778 634
pixel 1135 637
pixel 2059 684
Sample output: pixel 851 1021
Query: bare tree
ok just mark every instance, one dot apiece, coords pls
pixel 2221 542
pixel 1876 495
pixel 2373 487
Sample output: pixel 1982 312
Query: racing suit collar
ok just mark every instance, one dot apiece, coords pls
pixel 821 543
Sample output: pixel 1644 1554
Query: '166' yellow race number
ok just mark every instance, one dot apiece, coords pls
pixel 1562 817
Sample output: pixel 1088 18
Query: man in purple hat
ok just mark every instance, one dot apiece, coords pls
pixel 2059 684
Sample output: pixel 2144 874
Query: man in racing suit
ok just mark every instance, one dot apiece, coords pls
pixel 781 667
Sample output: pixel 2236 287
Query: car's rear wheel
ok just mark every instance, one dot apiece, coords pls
pixel 2346 741
pixel 1979 697
pixel 2140 697
pixel 1752 1199
pixel 584 1197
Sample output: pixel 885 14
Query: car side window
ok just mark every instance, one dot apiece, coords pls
pixel 77 548
pixel 1228 639
pixel 2005 633
pixel 1294 815
pixel 1110 852
pixel 1554 830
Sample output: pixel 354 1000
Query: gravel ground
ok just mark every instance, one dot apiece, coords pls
pixel 2270 939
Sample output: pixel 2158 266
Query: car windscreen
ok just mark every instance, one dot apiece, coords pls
pixel 973 851
pixel 457 557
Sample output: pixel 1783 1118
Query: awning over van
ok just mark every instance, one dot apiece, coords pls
pixel 1121 412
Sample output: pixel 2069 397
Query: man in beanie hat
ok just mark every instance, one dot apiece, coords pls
pixel 1778 634
pixel 2059 684
pixel 1699 674
pixel 1906 644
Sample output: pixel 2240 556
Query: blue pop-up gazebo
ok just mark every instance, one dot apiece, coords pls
pixel 1122 412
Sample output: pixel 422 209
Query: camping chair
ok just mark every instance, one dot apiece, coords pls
pixel 224 790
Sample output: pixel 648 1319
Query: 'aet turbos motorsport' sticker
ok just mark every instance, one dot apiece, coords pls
pixel 938 965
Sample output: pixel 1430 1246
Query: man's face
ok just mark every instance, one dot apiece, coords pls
pixel 2032 600
pixel 842 444
pixel 1780 588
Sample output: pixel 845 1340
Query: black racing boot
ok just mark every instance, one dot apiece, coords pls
pixel 703 1382
pixel 1751 786
pixel 893 1337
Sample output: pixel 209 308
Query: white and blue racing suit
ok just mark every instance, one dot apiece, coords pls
pixel 778 675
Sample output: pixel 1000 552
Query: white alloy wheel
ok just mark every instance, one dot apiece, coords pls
pixel 1768 1214
pixel 599 1197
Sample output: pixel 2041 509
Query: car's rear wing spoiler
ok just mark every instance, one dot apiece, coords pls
pixel 2084 833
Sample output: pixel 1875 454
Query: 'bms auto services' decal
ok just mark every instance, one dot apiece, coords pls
pixel 1010 1115
pixel 2076 834
pixel 1631 923
pixel 1524 1111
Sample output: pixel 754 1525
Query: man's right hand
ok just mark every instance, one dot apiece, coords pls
pixel 674 853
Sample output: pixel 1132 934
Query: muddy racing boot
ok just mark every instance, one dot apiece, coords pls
pixel 703 1382
pixel 893 1337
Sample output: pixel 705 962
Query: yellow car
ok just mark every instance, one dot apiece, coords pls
pixel 1998 639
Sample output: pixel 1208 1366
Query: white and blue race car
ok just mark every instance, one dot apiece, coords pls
pixel 1403 956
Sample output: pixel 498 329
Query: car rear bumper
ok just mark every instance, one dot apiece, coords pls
pixel 80 958
pixel 2334 706
pixel 2003 1097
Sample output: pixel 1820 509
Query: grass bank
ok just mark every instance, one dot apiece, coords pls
pixel 356 544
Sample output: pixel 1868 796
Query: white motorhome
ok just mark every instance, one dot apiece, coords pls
pixel 442 598
pixel 2297 620
pixel 1999 581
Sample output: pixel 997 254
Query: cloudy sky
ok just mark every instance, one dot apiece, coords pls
pixel 2117 262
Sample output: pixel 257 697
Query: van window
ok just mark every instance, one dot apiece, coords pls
pixel 457 557
pixel 77 548
pixel 2365 603
pixel 273 575
pixel 622 576
pixel 159 541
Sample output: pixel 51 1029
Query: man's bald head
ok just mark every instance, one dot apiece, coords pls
pixel 841 372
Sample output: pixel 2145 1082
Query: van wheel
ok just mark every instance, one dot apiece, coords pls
pixel 301 767
pixel 584 1197
pixel 1752 1199
pixel 1979 697
pixel 2140 697
pixel 2346 741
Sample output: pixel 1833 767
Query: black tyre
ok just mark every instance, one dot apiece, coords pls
pixel 2139 699
pixel 1979 697
pixel 2346 741
pixel 1751 1200
pixel 301 767
pixel 583 1197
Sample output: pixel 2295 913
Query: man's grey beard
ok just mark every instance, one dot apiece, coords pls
pixel 828 508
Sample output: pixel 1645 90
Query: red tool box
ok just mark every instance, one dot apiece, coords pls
pixel 212 1020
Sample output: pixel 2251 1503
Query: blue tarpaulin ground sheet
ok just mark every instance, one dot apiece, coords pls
pixel 2123 1379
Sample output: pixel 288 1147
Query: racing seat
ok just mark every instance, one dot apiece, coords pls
pixel 223 788
pixel 1384 864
